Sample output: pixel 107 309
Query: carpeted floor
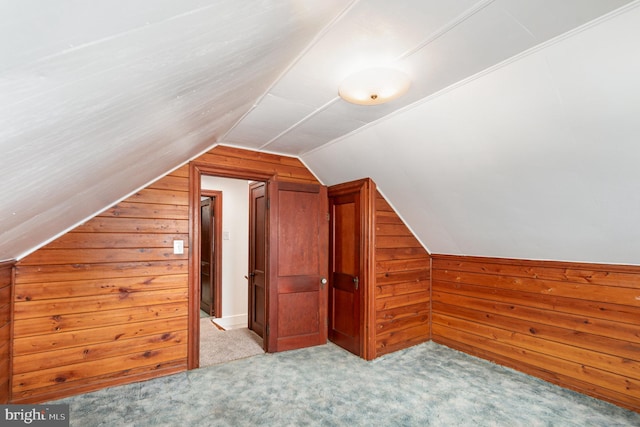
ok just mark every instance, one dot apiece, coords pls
pixel 426 385
pixel 218 346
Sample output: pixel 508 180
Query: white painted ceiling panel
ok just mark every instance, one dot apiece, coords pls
pixel 323 126
pixel 567 14
pixel 35 29
pixel 373 33
pixel 259 127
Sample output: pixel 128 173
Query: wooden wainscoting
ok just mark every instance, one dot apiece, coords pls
pixel 106 303
pixel 576 325
pixel 6 282
pixel 402 284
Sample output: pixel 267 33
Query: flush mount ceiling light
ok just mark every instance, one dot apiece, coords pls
pixel 374 86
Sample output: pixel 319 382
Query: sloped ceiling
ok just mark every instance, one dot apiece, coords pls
pixel 538 158
pixel 99 98
pixel 516 138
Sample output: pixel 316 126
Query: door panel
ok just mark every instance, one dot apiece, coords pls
pixel 298 235
pixel 257 258
pixel 298 314
pixel 342 297
pixel 344 286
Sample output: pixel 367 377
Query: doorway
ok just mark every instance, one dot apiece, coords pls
pixel 297 267
pixel 230 200
pixel 196 172
pixel 224 335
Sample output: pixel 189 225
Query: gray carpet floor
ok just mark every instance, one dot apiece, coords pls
pixel 218 346
pixel 426 385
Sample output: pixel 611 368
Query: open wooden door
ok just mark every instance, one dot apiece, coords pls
pixel 206 256
pixel 257 258
pixel 344 284
pixel 298 265
pixel 352 267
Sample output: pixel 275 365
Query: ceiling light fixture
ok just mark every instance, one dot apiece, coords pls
pixel 374 86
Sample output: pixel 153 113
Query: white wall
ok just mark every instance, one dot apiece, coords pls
pixel 235 250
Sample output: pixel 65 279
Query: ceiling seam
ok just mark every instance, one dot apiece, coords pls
pixel 103 70
pixel 303 52
pixel 115 36
pixel 299 122
pixel 434 36
pixel 446 28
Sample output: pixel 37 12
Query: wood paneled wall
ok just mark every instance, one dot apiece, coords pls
pixel 576 325
pixel 6 282
pixel 402 283
pixel 231 159
pixel 105 303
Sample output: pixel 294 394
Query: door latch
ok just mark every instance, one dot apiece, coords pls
pixel 356 282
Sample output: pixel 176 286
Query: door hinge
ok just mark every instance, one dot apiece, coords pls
pixel 268 203
pixel 267 329
pixel 328 216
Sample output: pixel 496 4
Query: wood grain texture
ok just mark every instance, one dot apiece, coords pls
pixel 402 283
pixel 6 282
pixel 69 272
pixel 282 167
pixel 576 325
pixel 106 302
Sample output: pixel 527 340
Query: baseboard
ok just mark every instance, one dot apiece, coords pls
pixel 233 322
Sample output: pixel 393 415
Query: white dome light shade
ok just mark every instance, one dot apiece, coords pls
pixel 374 86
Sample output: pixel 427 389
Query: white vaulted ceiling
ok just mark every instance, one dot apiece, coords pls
pixel 99 98
pixel 517 137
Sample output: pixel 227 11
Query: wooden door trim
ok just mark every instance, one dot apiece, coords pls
pixel 196 170
pixel 366 189
pixel 217 247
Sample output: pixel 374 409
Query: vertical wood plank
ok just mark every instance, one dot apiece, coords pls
pixel 6 286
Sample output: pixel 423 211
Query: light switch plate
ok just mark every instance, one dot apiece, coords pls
pixel 178 247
